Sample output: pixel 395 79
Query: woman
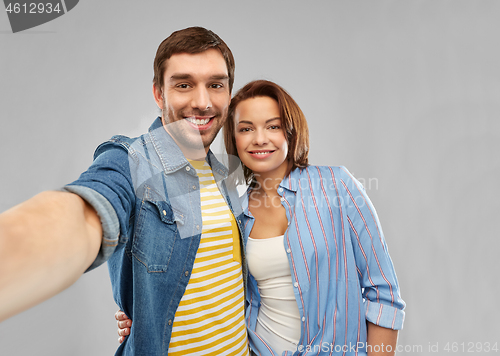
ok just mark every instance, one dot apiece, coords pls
pixel 320 278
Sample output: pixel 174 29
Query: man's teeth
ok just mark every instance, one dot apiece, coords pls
pixel 198 121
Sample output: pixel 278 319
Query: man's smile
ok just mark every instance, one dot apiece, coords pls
pixel 200 122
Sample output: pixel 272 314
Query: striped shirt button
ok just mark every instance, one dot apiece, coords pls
pixel 280 190
pixel 303 318
pixel 288 251
pixel 295 284
pixel 282 199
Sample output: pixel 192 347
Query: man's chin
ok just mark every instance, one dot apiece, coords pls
pixel 191 138
pixel 194 142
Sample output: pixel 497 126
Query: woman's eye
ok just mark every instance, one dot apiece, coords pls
pixel 275 127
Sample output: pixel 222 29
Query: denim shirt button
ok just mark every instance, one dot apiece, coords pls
pixel 164 212
pixel 194 187
pixel 186 273
pixel 188 168
pixel 197 227
pixel 170 322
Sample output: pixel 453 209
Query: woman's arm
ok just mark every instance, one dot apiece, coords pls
pixel 380 341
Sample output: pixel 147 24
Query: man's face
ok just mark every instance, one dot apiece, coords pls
pixel 195 98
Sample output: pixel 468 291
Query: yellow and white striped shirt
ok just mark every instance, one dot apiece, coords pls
pixel 210 317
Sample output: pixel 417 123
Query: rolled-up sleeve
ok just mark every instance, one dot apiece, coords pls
pixel 384 306
pixel 107 186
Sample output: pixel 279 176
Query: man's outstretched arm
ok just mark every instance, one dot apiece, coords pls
pixel 46 243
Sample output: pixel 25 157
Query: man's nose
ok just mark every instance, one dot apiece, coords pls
pixel 201 99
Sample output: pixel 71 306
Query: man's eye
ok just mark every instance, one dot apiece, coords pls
pixel 182 86
pixel 216 86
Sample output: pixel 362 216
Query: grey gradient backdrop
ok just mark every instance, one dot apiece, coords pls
pixel 406 94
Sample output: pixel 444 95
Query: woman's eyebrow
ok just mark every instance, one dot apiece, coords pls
pixel 272 119
pixel 245 122
pixel 251 123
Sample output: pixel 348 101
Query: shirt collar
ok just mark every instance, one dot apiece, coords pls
pixel 291 181
pixel 244 203
pixel 170 154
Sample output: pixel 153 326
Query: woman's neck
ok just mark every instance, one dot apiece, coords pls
pixel 268 182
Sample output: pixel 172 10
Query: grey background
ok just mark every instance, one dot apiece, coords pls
pixel 406 94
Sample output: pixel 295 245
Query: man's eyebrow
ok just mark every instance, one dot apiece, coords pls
pixel 184 76
pixel 180 76
pixel 220 77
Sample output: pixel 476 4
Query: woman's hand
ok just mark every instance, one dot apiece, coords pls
pixel 124 324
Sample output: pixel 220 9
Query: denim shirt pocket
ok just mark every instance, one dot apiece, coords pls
pixel 156 234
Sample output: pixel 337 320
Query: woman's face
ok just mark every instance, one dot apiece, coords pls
pixel 259 135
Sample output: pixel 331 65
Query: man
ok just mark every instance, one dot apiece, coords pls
pixel 157 208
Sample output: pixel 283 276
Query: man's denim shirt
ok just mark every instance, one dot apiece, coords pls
pixel 148 198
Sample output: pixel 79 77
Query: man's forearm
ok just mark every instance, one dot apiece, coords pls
pixel 380 341
pixel 46 243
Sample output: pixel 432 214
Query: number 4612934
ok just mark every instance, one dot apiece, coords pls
pixel 32 8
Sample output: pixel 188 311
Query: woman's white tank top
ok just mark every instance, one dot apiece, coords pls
pixel 278 321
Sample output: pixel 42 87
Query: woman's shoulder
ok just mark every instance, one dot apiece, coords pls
pixel 317 177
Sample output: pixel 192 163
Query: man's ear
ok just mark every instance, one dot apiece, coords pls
pixel 158 95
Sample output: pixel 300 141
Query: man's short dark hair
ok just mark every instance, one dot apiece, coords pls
pixel 190 40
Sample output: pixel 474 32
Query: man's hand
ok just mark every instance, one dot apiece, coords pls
pixel 46 243
pixel 124 325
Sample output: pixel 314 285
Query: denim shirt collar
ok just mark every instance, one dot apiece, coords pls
pixel 171 156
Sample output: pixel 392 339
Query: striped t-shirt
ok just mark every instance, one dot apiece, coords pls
pixel 210 317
